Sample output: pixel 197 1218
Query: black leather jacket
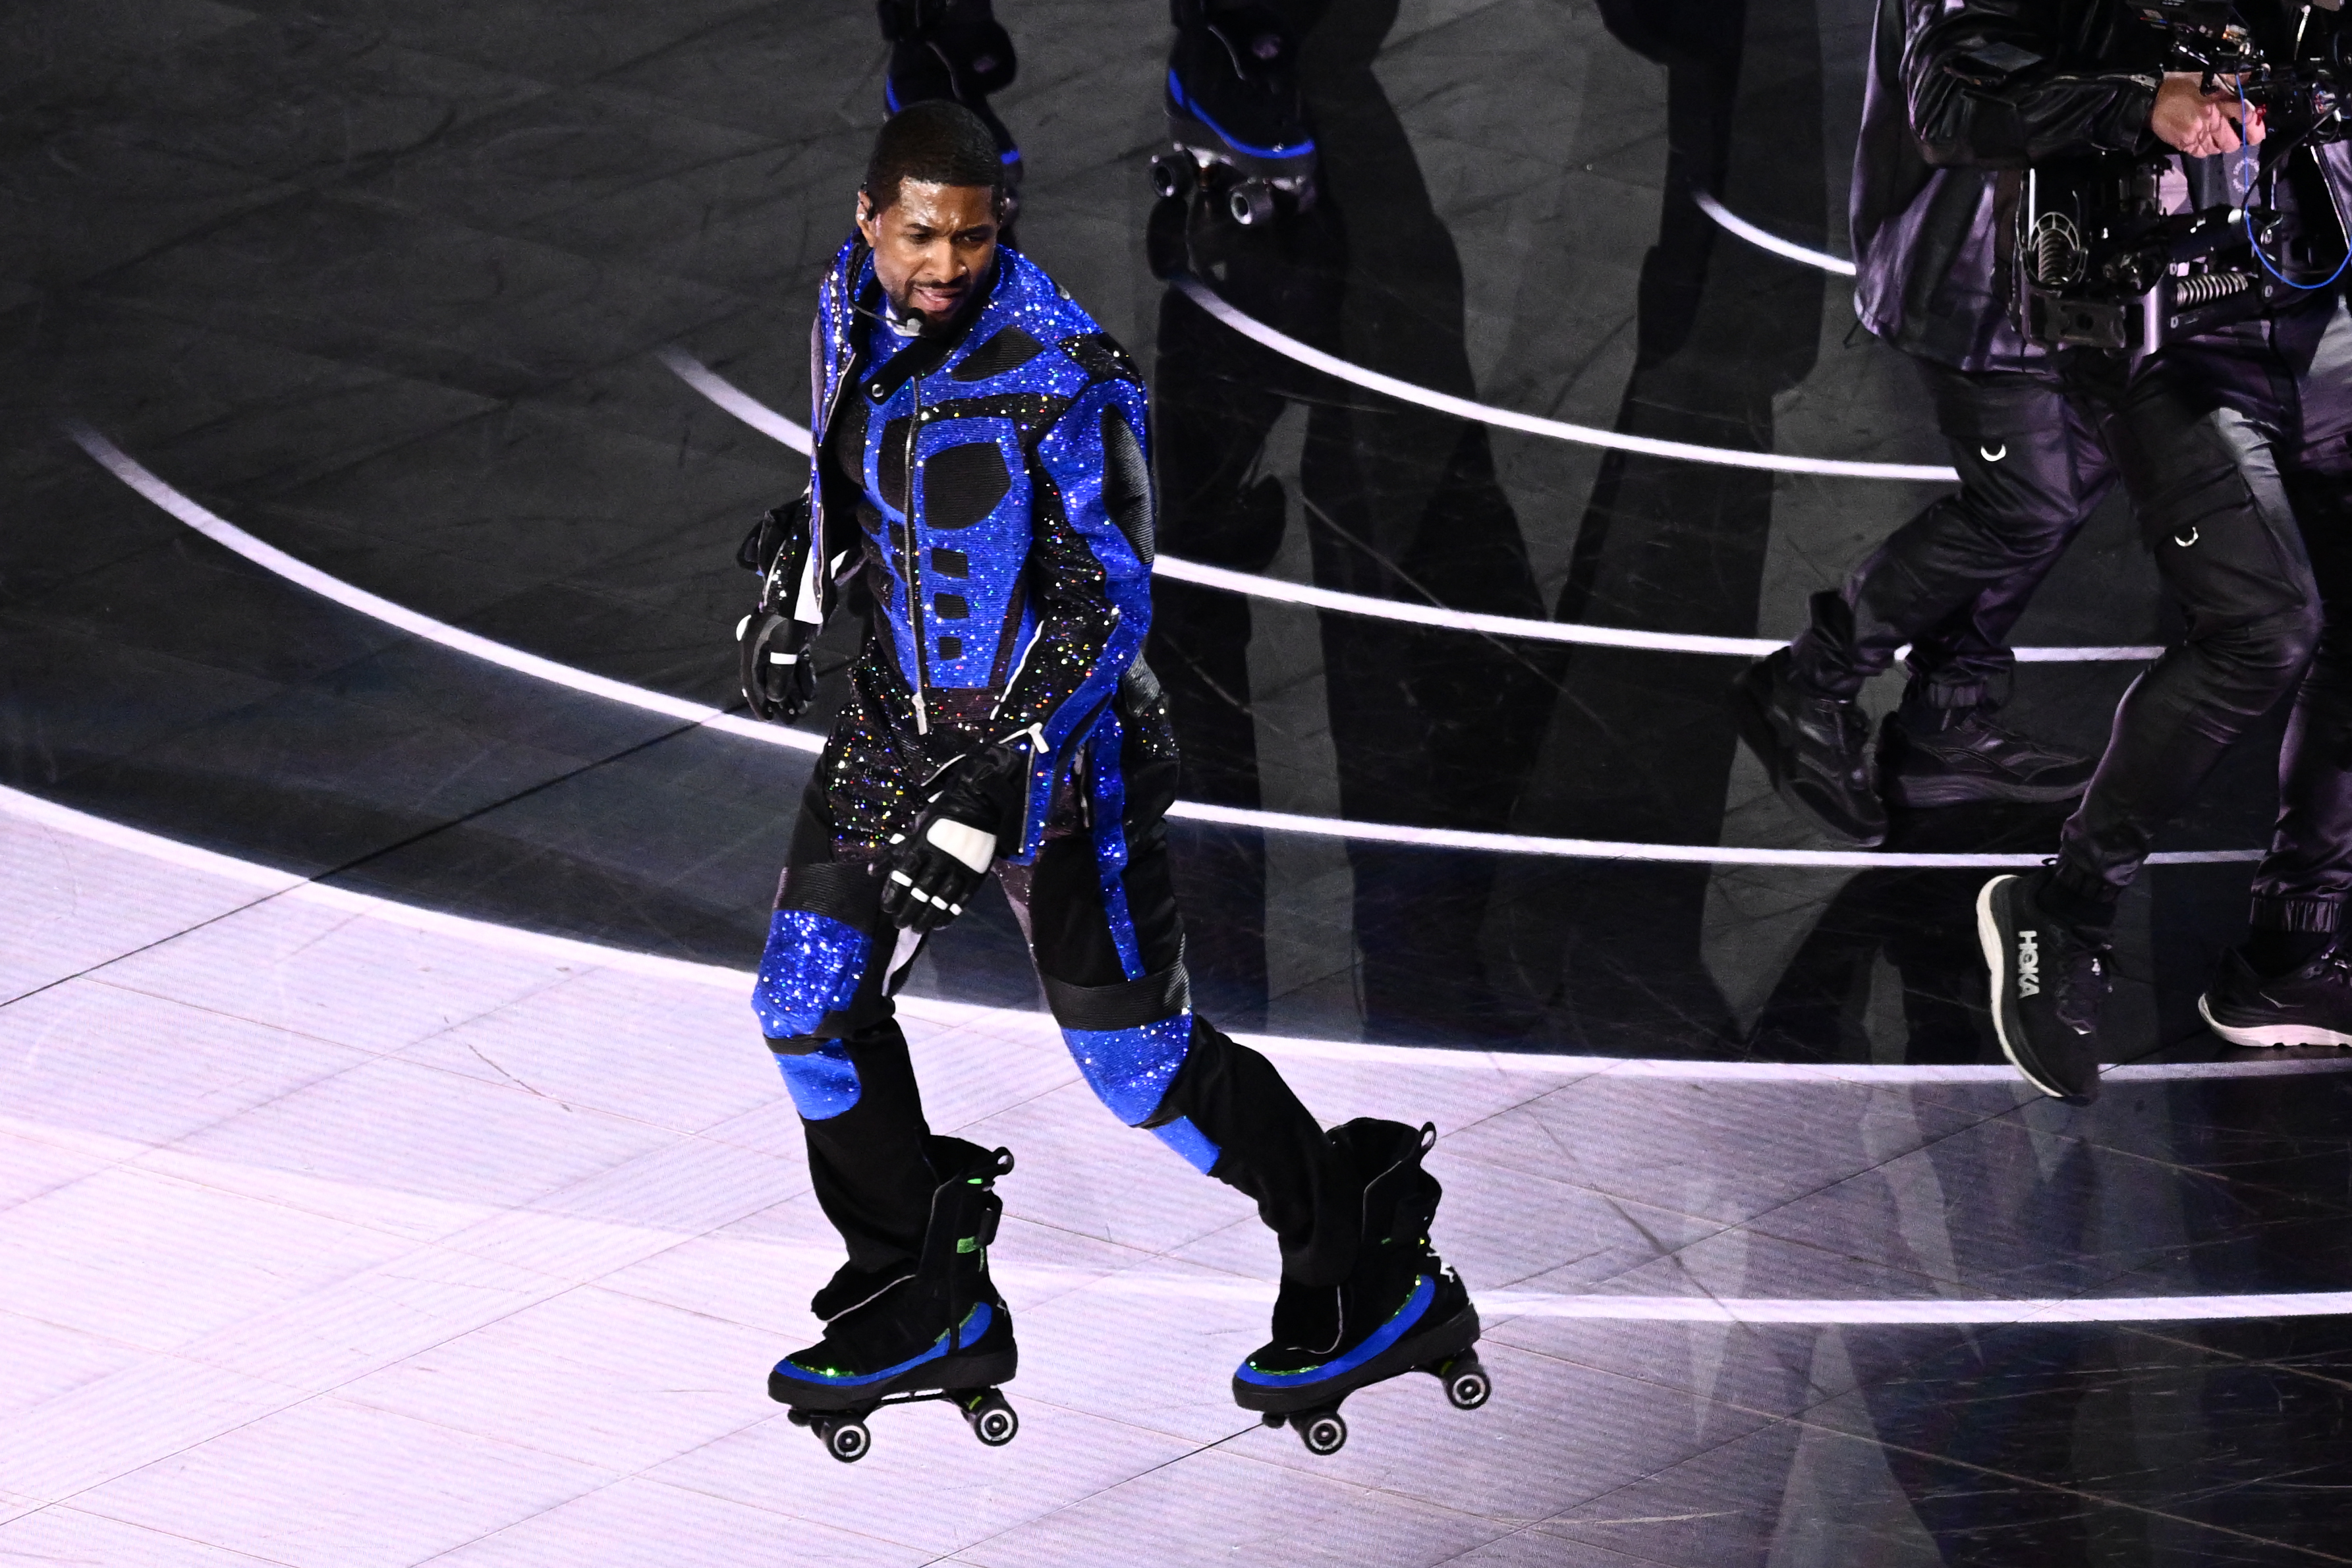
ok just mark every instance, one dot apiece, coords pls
pixel 1963 97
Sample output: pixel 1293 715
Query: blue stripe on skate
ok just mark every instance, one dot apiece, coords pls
pixel 977 1320
pixel 1390 1332
pixel 1176 91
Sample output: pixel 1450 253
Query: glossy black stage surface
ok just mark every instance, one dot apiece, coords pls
pixel 384 284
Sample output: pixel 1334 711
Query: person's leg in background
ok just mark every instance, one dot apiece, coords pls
pixel 2196 436
pixel 2290 984
pixel 1943 746
pixel 1952 581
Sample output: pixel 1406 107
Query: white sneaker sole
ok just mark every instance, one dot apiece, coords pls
pixel 1996 957
pixel 2273 1036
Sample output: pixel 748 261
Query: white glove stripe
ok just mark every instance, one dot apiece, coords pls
pixel 967 844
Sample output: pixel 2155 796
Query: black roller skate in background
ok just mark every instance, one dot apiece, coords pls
pixel 939 1332
pixel 953 48
pixel 1234 113
pixel 1401 1310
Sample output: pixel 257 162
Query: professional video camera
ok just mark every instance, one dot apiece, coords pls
pixel 2101 264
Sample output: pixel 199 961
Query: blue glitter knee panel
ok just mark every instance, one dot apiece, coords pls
pixel 824 1082
pixel 1130 1070
pixel 811 968
pixel 1191 1142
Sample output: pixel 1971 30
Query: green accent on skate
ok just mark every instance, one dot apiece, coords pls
pixel 968 1244
pixel 1415 1305
pixel 975 1323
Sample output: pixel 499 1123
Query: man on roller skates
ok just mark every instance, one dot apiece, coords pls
pixel 980 472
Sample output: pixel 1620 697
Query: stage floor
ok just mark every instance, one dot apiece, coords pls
pixel 390 1168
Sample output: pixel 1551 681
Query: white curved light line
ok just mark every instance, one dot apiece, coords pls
pixel 769 423
pixel 1771 1310
pixel 1259 587
pixel 1583 434
pixel 1764 240
pixel 222 532
pixel 269 557
pixel 1617 850
pixel 274 883
pixel 734 399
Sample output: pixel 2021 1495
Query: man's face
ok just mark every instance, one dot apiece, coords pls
pixel 932 248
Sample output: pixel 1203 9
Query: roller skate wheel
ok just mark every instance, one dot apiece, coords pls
pixel 1174 176
pixel 846 1441
pixel 1466 1384
pixel 1251 203
pixel 1325 1432
pixel 993 1420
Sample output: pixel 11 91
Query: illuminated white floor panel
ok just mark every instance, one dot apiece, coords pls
pixel 329 1242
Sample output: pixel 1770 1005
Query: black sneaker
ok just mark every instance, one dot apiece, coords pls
pixel 1816 751
pixel 2306 1006
pixel 2048 981
pixel 1974 759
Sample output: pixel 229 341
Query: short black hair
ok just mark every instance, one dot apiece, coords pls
pixel 936 142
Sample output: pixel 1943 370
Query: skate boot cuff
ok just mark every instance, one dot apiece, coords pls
pixel 852 1287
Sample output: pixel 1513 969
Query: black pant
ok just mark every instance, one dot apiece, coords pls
pixel 2303 882
pixel 2220 442
pixel 1100 915
pixel 1953 580
pixel 2217 442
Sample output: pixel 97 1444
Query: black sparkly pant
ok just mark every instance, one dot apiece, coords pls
pixel 1099 913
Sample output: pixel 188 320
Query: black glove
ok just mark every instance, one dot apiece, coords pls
pixel 777 669
pixel 778 665
pixel 930 876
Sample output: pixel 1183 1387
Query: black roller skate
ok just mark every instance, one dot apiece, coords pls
pixel 1234 113
pixel 939 1332
pixel 1401 1310
pixel 958 49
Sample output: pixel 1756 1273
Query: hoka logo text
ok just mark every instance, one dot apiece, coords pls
pixel 2028 966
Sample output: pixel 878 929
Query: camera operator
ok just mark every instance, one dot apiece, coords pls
pixel 1953 581
pixel 2216 438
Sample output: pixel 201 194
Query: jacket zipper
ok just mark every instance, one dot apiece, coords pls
pixel 841 368
pixel 914 582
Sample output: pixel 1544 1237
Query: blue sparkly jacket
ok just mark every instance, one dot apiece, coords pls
pixel 1001 511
